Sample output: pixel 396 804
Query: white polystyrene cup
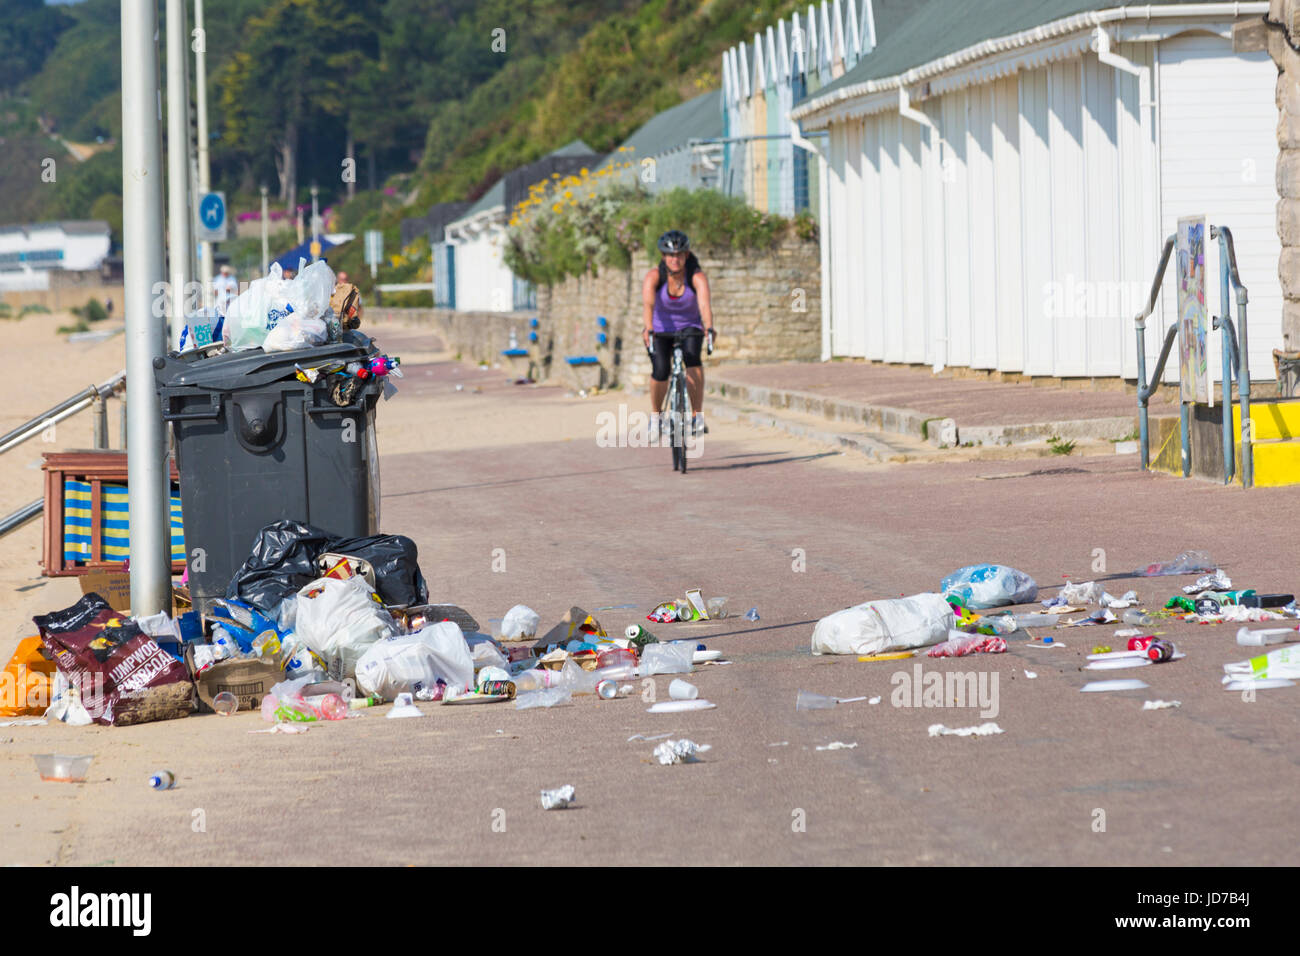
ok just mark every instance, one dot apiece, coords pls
pixel 681 690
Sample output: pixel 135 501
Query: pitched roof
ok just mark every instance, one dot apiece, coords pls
pixel 698 118
pixel 910 33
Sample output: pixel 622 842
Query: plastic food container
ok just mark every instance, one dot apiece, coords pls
pixel 617 657
pixel 65 768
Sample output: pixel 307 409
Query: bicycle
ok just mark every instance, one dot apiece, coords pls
pixel 676 410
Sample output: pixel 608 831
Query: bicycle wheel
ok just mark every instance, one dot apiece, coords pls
pixel 683 422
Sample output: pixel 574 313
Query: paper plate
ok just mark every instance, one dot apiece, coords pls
pixel 1117 663
pixel 1262 684
pixel 677 706
pixel 1103 685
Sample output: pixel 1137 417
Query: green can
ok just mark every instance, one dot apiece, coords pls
pixel 639 636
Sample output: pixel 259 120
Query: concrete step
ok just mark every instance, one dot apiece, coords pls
pixel 938 432
pixel 883 447
pixel 1277 418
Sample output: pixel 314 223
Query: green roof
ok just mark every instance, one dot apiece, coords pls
pixel 910 33
pixel 698 118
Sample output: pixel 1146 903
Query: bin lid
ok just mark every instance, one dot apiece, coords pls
pixel 253 368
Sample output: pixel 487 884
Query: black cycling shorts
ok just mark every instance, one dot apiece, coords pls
pixel 662 357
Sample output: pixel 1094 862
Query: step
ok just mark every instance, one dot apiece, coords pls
pixel 881 447
pixel 938 431
pixel 1272 419
pixel 1277 462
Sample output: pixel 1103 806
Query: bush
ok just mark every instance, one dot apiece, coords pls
pixel 574 225
pixel 92 311
pixel 34 309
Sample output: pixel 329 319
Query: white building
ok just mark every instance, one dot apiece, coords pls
pixel 470 272
pixel 29 254
pixel 1000 176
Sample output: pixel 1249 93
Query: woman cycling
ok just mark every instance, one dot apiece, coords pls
pixel 676 299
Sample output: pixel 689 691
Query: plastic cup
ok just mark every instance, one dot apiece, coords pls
pixel 717 607
pixel 65 768
pixel 682 690
pixel 225 703
pixel 806 700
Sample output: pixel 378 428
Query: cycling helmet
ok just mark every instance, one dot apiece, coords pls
pixel 674 241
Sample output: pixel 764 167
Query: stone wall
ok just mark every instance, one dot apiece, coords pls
pixel 1280 35
pixel 766 308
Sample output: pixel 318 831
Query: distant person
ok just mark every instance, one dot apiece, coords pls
pixel 226 287
pixel 108 306
pixel 675 295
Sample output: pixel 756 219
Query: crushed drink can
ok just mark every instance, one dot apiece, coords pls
pixel 1140 643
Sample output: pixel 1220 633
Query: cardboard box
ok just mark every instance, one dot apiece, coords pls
pixel 113 586
pixel 248 680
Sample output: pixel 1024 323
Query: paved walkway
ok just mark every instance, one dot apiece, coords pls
pixel 995 412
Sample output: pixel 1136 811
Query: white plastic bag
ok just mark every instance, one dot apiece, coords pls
pixel 667 659
pixel 339 620
pixel 259 309
pixel 879 626
pixel 310 290
pixel 295 332
pixel 484 651
pixel 407 663
pixel 990 585
pixel 520 623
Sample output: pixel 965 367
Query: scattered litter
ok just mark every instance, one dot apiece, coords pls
pixel 780 743
pixel 1189 562
pixel 981 586
pixel 679 751
pixel 1046 642
pixel 1129 599
pixel 874 700
pixel 404 706
pixel 839 745
pixel 1262 683
pixel 677 706
pixel 1100 686
pixel 1124 632
pixel 557 799
pixel 648 739
pixel 751 614
pixel 682 690
pixel 961 645
pixel 893 656
pixel 1032 675
pixel 284 729
pixel 807 700
pixel 1089 593
pixel 983 730
pixel 162 780
pixel 544 697
pixel 520 624
pixel 1283 662
pixel 63 768
pixel 877 627
pixel 24 722
pixel 1108 663
pixel 1276 635
pixel 1102 616
pixel 1160 704
pixel 1218 581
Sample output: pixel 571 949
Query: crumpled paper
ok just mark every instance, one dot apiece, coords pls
pixel 557 799
pixel 679 751
pixel 1218 581
pixel 983 730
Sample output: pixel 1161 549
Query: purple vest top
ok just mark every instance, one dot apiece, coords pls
pixel 673 315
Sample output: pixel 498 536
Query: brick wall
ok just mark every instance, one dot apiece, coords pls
pixel 766 308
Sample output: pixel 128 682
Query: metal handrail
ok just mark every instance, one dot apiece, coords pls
pixel 1228 250
pixel 1144 390
pixel 20 517
pixel 64 409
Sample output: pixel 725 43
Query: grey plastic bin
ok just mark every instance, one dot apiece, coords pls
pixel 255 445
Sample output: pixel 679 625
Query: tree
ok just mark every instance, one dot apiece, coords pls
pixel 28 33
pixel 295 69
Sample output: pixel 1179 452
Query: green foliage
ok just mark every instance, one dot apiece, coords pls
pixel 1059 445
pixel 28 32
pixel 34 308
pixel 6 311
pixel 573 232
pixel 92 311
pixel 81 325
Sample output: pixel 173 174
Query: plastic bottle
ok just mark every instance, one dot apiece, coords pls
pixel 1037 620
pixel 1137 618
pixel 538 678
pixel 225 703
pixel 162 780
pixel 329 706
pixel 1277 635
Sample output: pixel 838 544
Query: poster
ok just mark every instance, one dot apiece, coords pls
pixel 1193 321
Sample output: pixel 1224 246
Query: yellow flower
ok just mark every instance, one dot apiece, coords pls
pixel 555 208
pixel 583 171
pixel 568 194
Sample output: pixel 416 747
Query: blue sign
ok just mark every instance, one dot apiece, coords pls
pixel 212 217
